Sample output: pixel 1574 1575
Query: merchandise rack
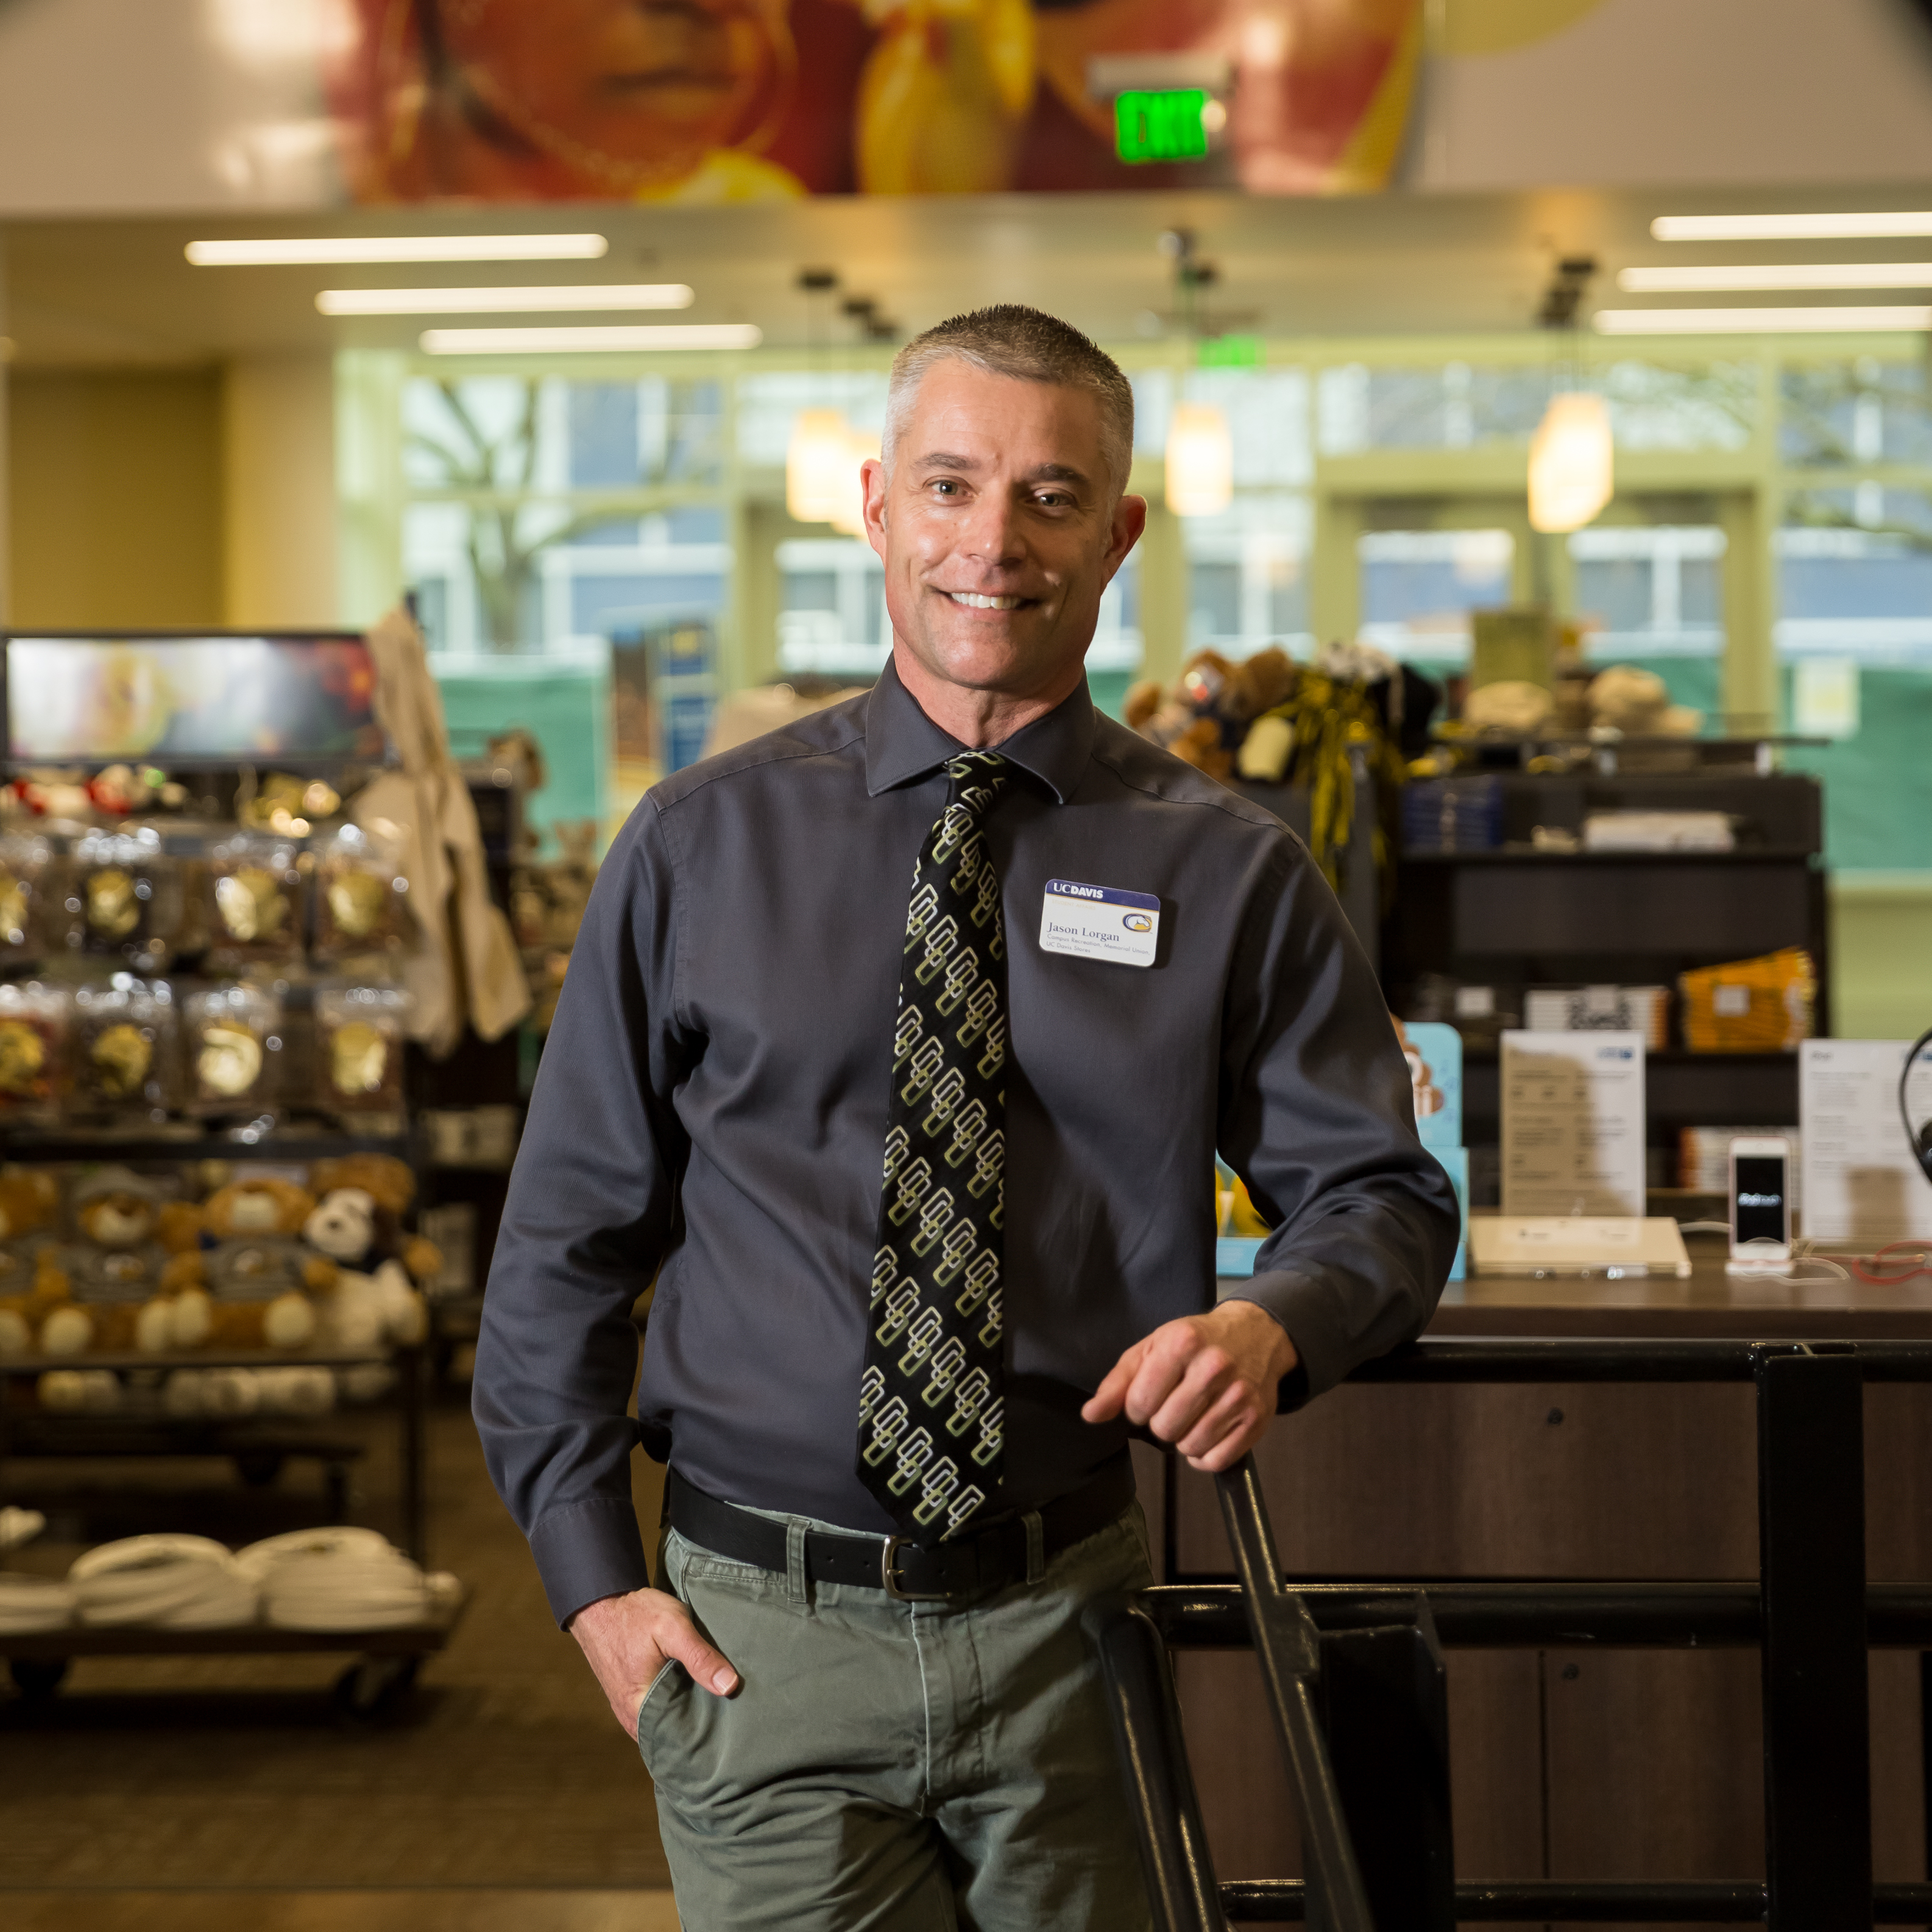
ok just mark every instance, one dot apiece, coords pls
pixel 384 1671
pixel 387 1660
pixel 80 1435
pixel 1516 916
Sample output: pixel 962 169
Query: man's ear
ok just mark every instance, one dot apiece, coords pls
pixel 872 477
pixel 1127 526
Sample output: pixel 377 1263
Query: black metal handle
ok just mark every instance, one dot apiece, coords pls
pixel 1146 1716
pixel 1289 1649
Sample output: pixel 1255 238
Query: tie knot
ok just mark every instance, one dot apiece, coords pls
pixel 975 778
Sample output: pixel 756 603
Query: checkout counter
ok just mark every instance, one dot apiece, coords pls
pixel 1591 1763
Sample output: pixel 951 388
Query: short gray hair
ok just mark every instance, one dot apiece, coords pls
pixel 1032 346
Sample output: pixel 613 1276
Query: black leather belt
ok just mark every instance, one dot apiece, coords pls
pixel 987 1559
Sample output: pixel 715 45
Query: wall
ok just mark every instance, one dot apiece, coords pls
pixel 278 452
pixel 1528 94
pixel 115 497
pixel 1881 955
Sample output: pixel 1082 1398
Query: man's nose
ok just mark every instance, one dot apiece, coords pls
pixel 993 534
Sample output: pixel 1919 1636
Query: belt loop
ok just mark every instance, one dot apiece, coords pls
pixel 1036 1536
pixel 795 1559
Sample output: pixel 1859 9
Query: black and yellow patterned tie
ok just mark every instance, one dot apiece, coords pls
pixel 930 1404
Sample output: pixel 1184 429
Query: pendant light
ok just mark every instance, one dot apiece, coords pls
pixel 1572 463
pixel 816 484
pixel 1200 460
pixel 1572 456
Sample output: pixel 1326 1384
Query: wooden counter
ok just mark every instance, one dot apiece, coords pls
pixel 1586 1764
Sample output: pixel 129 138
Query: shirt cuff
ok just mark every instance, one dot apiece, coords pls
pixel 587 1550
pixel 1307 1311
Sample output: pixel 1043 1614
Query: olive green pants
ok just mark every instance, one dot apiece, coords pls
pixel 890 1767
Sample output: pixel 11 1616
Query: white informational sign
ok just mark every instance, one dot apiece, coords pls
pixel 1573 1122
pixel 1862 1184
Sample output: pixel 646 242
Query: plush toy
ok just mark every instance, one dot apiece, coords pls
pixel 33 1283
pixel 357 1224
pixel 1638 704
pixel 388 1187
pixel 195 1319
pixel 133 1243
pixel 250 1286
pixel 135 1247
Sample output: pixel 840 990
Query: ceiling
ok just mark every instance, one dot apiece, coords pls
pixel 96 293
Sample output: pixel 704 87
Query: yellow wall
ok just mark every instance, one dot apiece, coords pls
pixel 1881 955
pixel 115 497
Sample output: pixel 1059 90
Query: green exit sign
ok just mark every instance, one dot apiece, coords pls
pixel 1170 125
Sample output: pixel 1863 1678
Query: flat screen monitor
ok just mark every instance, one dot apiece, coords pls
pixel 188 700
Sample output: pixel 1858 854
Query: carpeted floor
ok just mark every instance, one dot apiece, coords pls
pixel 504 1770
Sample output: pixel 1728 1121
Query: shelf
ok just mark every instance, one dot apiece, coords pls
pixel 204 1358
pixel 242 1640
pixel 1662 1056
pixel 1530 855
pixel 1681 1089
pixel 289 1144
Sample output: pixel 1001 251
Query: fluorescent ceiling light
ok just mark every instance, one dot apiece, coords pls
pixel 590 341
pixel 1787 227
pixel 503 301
pixel 1893 318
pixel 1775 275
pixel 275 250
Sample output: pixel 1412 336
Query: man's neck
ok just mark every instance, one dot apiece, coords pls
pixel 979 718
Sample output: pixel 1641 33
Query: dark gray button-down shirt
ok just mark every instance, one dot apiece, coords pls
pixel 711 1110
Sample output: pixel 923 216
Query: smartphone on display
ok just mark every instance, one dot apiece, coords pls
pixel 1761 1200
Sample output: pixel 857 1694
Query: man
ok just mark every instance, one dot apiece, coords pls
pixel 967 934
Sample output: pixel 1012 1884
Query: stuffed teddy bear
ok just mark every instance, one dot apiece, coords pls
pixel 389 1187
pixel 250 1286
pixel 356 1224
pixel 135 1246
pixel 133 1242
pixel 33 1282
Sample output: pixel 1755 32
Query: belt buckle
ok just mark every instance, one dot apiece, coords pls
pixel 889 1581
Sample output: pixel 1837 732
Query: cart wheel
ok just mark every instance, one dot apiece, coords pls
pixel 37 1678
pixel 372 1686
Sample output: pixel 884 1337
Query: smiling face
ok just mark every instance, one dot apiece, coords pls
pixel 1000 528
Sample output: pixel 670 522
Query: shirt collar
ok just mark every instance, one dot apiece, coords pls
pixel 902 742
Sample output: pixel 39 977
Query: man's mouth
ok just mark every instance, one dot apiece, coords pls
pixel 974 601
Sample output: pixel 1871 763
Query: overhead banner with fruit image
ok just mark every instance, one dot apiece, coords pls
pixel 724 101
pixel 174 105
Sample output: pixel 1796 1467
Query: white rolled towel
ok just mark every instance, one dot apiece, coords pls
pixel 337 1580
pixel 29 1604
pixel 171 1582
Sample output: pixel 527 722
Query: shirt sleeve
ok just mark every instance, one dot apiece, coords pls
pixel 592 1202
pixel 1316 1117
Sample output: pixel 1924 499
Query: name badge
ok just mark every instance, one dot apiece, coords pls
pixel 1096 922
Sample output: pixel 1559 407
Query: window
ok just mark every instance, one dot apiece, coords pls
pixel 1419 586
pixel 1650 591
pixel 1247 575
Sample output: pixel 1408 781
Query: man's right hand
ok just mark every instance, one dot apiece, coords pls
pixel 628 1640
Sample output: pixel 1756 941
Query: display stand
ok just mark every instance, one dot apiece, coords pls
pixel 383 1673
pixel 1519 916
pixel 148 1430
